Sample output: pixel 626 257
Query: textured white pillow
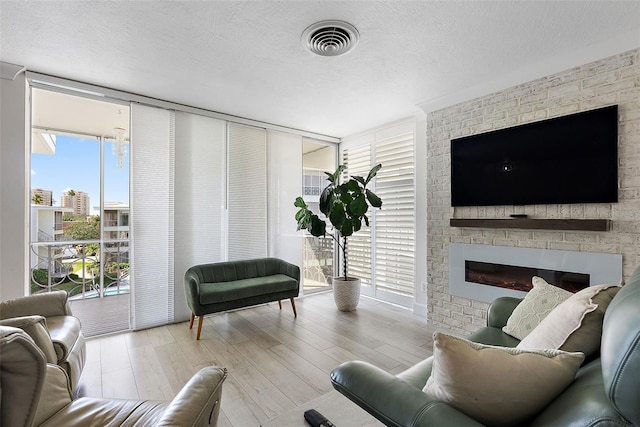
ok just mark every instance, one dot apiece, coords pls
pixel 535 306
pixel 575 324
pixel 497 386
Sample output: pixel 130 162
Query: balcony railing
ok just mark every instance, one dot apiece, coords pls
pixel 318 262
pixel 80 268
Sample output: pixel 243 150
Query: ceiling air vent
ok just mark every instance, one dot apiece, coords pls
pixel 330 38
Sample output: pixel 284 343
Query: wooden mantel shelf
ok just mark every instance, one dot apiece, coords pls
pixel 534 223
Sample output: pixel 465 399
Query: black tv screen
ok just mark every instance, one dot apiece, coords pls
pixel 569 159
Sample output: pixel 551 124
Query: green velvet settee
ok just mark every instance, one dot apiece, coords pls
pixel 604 392
pixel 222 286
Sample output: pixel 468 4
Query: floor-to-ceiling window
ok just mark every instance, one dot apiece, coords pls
pixel 79 223
pixel 185 176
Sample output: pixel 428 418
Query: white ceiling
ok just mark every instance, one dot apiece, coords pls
pixel 246 58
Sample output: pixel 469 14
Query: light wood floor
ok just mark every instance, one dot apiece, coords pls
pixel 278 365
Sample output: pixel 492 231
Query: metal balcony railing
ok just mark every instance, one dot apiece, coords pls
pixel 80 268
pixel 318 261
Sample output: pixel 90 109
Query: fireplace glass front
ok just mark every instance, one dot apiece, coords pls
pixel 519 278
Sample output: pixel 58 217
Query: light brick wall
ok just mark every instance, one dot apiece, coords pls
pixel 614 80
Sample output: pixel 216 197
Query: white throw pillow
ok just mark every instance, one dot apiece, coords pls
pixel 535 306
pixel 497 386
pixel 575 324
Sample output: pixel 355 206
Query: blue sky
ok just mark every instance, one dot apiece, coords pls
pixel 76 165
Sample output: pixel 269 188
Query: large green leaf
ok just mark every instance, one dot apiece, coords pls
pixel 357 224
pixel 326 199
pixel 359 179
pixel 300 214
pixel 345 196
pixel 337 216
pixel 317 227
pixel 352 185
pixel 374 170
pixel 358 206
pixel 299 203
pixel 347 228
pixel 375 201
pixel 333 177
pixel 303 216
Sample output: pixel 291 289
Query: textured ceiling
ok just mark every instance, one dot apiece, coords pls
pixel 246 58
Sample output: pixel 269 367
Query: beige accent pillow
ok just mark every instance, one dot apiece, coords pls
pixel 575 324
pixel 497 386
pixel 535 306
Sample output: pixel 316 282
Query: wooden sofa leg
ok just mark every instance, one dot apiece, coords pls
pixel 193 316
pixel 280 304
pixel 199 326
pixel 293 305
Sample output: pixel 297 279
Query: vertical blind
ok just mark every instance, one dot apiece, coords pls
pixel 152 197
pixel 199 196
pixel 394 227
pixel 285 184
pixel 247 192
pixel 358 162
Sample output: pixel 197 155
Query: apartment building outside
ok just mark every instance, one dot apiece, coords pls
pixel 46 196
pixel 115 220
pixel 77 200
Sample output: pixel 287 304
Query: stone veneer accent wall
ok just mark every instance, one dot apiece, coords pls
pixel 614 80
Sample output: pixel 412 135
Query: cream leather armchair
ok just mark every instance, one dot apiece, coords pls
pixel 63 328
pixel 37 393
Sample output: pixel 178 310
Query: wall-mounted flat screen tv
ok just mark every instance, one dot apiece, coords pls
pixel 569 159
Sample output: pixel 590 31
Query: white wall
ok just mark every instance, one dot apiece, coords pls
pixel 323 158
pixel 14 120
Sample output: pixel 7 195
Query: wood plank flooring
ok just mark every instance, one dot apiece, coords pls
pixel 278 365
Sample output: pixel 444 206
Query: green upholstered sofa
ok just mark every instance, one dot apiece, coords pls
pixel 605 392
pixel 222 286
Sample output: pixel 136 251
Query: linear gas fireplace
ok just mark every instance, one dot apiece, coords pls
pixel 519 278
pixel 485 272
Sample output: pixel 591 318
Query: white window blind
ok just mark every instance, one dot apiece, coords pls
pixel 199 197
pixel 285 184
pixel 394 227
pixel 152 208
pixel 247 192
pixel 357 161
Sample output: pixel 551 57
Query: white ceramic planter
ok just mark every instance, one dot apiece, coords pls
pixel 346 293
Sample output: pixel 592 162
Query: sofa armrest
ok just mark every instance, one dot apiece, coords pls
pixel 35 327
pixel 291 270
pixel 65 332
pixel 392 400
pixel 192 291
pixel 56 394
pixel 46 304
pixel 500 310
pixel 198 403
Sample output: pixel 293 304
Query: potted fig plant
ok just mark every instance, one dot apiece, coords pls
pixel 345 205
